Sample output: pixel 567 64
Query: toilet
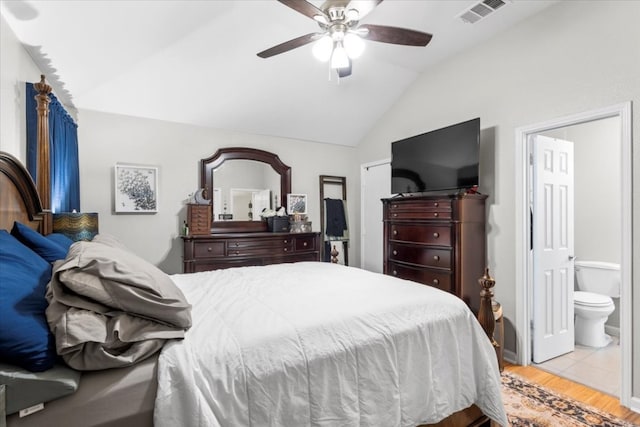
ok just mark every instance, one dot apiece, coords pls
pixel 597 283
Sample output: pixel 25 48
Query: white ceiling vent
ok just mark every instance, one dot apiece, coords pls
pixel 481 10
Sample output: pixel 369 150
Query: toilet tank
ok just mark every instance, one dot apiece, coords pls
pixel 598 277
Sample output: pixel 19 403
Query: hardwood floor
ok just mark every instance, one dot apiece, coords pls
pixel 575 391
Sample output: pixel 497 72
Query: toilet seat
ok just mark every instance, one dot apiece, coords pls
pixel 589 299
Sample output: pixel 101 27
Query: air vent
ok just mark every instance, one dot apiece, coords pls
pixel 480 10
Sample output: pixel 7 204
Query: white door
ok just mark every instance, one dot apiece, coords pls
pixel 553 252
pixel 375 185
pixel 260 200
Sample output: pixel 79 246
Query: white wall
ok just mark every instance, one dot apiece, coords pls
pixel 176 149
pixel 573 57
pixel 16 68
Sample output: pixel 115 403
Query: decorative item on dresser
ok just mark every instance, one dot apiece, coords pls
pixel 437 240
pixel 199 219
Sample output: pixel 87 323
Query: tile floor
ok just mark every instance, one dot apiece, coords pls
pixel 597 368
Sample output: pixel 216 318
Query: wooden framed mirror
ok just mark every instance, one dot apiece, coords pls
pixel 243 174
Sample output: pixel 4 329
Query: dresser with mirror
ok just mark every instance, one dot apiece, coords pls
pixel 241 182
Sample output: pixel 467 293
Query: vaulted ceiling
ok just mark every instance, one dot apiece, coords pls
pixel 195 62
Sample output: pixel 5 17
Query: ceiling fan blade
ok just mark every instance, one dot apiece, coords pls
pixel 289 45
pixel 303 7
pixel 346 71
pixel 395 35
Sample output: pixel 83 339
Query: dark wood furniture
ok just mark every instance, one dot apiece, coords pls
pixel 208 165
pixel 199 219
pixel 342 182
pixel 437 240
pixel 203 253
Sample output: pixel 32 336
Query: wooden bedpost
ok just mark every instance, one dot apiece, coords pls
pixel 485 314
pixel 43 170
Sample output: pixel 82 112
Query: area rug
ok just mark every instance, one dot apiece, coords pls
pixel 530 405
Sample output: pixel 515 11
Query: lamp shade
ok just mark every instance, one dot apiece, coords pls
pixel 76 225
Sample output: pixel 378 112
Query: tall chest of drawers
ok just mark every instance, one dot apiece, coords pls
pixel 439 241
pixel 215 251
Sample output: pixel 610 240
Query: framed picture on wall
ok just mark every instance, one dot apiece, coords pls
pixel 296 204
pixel 136 188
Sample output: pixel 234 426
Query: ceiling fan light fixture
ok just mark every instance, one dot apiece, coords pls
pixel 322 48
pixel 352 15
pixel 321 19
pixel 354 45
pixel 339 59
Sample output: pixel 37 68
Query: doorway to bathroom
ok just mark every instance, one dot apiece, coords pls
pixel 602 227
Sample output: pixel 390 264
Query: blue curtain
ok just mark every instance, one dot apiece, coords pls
pixel 63 151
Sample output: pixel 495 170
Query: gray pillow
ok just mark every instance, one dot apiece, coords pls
pixel 118 279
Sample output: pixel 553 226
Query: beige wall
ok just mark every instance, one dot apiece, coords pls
pixel 177 149
pixel 573 57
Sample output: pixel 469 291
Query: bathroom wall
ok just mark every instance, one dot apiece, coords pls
pixel 597 193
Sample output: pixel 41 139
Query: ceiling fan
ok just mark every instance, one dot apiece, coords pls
pixel 341 37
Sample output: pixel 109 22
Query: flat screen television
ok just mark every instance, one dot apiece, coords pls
pixel 443 159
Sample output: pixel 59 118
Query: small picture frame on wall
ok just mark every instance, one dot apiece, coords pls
pixel 136 188
pixel 296 204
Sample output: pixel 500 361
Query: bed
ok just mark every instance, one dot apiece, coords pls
pixel 275 346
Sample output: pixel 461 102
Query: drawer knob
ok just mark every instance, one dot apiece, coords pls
pixel 436 235
pixel 237 244
pixel 237 252
pixel 395 232
pixel 436 257
pixel 304 244
pixel 436 281
pixel 395 273
pixel 394 206
pixel 435 214
pixel 436 204
pixel 395 252
pixel 395 214
pixel 209 249
pixel 285 241
pixel 285 249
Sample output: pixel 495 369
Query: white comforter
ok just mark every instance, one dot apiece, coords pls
pixel 317 344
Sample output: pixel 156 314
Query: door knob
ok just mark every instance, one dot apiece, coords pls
pixel 572 257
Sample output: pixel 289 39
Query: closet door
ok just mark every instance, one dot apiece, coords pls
pixel 376 185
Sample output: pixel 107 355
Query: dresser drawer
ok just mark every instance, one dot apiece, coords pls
pixel 433 209
pixel 427 234
pixel 420 255
pixel 436 278
pixel 208 249
pixel 248 247
pixel 305 244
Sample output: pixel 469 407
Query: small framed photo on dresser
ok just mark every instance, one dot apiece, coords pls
pixel 136 188
pixel 296 204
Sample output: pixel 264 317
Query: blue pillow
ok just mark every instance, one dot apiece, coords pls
pixel 47 249
pixel 25 339
pixel 60 239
